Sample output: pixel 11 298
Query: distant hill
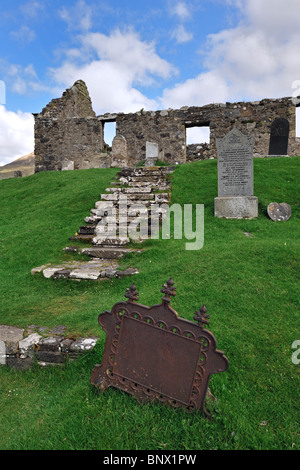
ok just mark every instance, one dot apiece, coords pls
pixel 24 164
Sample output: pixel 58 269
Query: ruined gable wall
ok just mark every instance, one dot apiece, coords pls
pixel 67 129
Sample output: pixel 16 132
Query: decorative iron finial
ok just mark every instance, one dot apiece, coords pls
pixel 169 290
pixel 132 294
pixel 201 317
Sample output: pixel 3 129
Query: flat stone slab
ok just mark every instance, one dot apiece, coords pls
pixel 94 269
pixel 11 333
pixel 102 252
pixel 279 212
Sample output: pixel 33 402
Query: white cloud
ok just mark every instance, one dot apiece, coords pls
pixel 180 10
pixel 32 8
pixel 114 65
pixel 24 35
pixel 78 17
pixel 259 58
pixel 21 79
pixel 181 35
pixel 16 135
pixel 206 88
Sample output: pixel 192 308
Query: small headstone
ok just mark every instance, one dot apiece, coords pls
pixel 18 174
pixel 67 165
pixel 119 154
pixel 151 153
pixel 235 177
pixel 279 212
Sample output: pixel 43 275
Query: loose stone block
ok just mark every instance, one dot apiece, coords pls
pixel 53 357
pixel 52 343
pixel 10 337
pixel 26 346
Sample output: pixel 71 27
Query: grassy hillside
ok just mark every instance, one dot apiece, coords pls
pixel 24 164
pixel 249 285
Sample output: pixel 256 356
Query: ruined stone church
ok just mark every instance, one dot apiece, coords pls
pixel 69 135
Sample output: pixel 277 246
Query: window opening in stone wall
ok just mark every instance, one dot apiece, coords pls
pixel 198 135
pixel 109 132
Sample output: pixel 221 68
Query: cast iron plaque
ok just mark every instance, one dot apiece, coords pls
pixel 154 355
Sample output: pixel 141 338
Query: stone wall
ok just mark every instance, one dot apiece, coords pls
pixel 68 134
pixel 67 130
pixel 21 349
pixel 168 128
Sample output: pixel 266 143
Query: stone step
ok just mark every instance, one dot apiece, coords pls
pixel 130 197
pixel 155 186
pixel 110 241
pixel 142 179
pixel 146 171
pixel 95 269
pixel 144 190
pixel 82 238
pixel 102 252
pixel 87 230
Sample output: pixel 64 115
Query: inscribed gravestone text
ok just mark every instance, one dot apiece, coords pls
pixel 235 164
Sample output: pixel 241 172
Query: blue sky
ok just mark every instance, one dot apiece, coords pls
pixel 151 54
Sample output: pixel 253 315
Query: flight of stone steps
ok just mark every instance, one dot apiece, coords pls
pixel 114 223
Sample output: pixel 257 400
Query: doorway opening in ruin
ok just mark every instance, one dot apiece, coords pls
pixel 197 141
pixel 109 132
pixel 279 137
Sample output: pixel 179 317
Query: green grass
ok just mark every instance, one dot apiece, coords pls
pixel 249 285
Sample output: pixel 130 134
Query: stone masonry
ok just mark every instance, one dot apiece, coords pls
pixel 21 348
pixel 69 134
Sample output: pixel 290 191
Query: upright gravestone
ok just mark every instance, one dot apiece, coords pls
pixel 119 152
pixel 235 177
pixel 151 153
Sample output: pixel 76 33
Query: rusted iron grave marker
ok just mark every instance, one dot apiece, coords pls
pixel 154 355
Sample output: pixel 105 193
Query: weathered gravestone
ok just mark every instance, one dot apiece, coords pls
pixel 156 356
pixel 119 152
pixel 235 177
pixel 279 212
pixel 151 153
pixel 67 165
